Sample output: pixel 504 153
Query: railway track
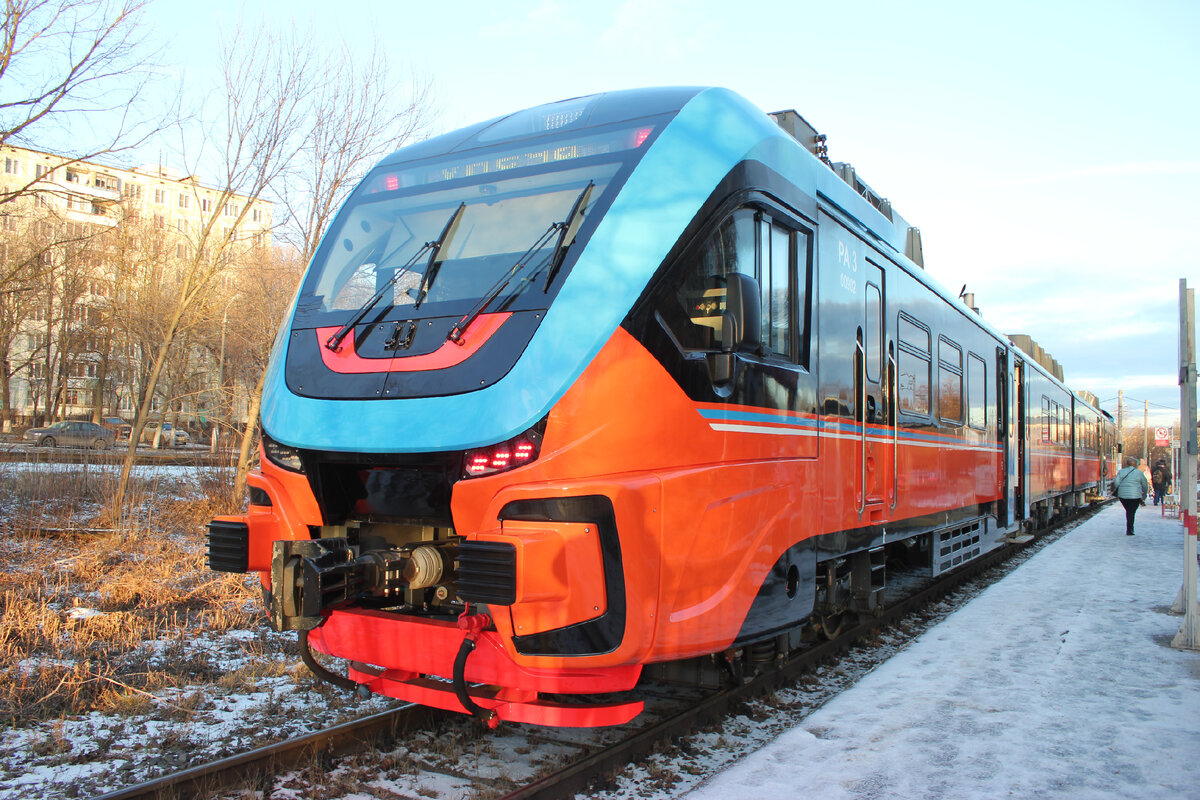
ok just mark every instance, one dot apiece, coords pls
pixel 599 755
pixel 114 456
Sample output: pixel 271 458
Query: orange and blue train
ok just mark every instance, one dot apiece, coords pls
pixel 634 384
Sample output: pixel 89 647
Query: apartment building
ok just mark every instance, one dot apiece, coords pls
pixel 59 367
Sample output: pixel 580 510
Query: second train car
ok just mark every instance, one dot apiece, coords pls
pixel 634 380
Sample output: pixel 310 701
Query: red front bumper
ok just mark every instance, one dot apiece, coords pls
pixel 427 650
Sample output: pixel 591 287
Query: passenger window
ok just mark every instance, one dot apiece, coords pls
pixel 912 369
pixel 1045 419
pixel 976 392
pixel 949 382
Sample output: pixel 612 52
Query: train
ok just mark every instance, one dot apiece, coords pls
pixel 638 385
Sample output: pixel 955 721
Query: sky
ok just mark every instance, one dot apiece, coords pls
pixel 1047 151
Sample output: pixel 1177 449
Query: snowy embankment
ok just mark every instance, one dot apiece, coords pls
pixel 1057 682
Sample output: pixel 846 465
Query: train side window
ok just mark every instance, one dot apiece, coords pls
pixel 874 346
pixel 775 245
pixel 976 391
pixel 912 376
pixel 950 406
pixel 1045 418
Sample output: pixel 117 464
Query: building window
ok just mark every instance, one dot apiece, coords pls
pixel 160 196
pixel 12 166
pixel 133 190
pixel 40 169
pixel 72 176
pixel 160 221
pixel 185 201
pixel 205 204
pixel 231 209
pixel 257 215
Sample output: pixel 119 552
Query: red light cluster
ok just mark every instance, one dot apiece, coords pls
pixel 641 135
pixel 392 182
pixel 500 457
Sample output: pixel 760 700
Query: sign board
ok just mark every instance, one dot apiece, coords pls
pixel 1162 437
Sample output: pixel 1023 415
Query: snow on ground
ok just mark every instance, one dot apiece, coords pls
pixel 1057 682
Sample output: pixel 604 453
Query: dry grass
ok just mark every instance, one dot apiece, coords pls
pixel 103 621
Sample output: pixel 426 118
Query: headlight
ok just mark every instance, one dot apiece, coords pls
pixel 281 455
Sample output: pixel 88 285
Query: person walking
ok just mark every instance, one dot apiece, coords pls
pixel 1130 487
pixel 1160 479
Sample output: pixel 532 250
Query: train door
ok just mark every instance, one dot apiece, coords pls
pixel 1007 434
pixel 1021 491
pixel 876 446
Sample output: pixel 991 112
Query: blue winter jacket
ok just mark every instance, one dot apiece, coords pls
pixel 1131 484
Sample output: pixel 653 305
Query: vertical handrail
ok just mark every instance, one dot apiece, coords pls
pixel 862 406
pixel 894 388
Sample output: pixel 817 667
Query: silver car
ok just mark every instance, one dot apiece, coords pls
pixel 72 434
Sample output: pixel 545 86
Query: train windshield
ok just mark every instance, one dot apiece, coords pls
pixel 389 239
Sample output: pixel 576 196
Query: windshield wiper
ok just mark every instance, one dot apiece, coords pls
pixel 566 235
pixel 435 262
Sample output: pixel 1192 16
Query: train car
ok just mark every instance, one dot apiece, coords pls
pixel 632 380
pixel 1088 457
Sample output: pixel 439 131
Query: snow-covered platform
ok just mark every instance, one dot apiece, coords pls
pixel 1057 682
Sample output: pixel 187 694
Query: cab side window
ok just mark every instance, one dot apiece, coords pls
pixel 701 293
pixel 766 247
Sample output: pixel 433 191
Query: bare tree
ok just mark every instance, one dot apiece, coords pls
pixel 270 284
pixel 268 80
pixel 61 61
pixel 362 110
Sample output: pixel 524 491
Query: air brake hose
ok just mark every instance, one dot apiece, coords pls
pixel 309 661
pixel 473 624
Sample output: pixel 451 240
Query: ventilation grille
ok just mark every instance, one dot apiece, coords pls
pixel 958 545
pixel 487 573
pixel 228 546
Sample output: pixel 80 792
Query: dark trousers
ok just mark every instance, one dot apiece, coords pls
pixel 1131 507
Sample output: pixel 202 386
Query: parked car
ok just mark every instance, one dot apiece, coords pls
pixel 118 426
pixel 182 437
pixel 72 434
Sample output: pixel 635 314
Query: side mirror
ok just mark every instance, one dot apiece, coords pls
pixel 740 320
pixel 739 325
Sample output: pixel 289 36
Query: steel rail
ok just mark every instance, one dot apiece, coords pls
pixel 264 762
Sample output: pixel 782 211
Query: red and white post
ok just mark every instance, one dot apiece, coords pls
pixel 1186 603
